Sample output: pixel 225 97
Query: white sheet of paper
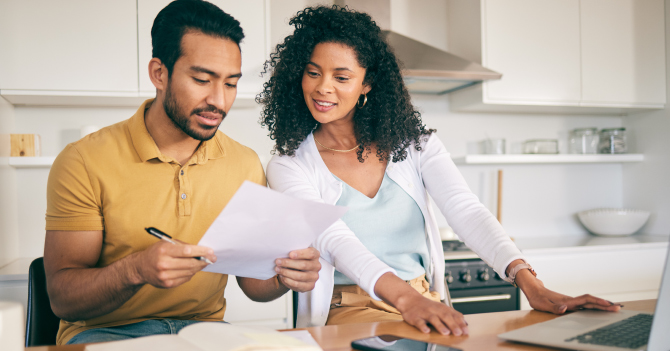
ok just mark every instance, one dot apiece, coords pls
pixel 260 225
pixel 211 336
pixel 302 335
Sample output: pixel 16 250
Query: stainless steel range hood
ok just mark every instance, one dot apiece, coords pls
pixel 429 70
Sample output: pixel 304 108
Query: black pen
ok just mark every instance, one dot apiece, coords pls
pixel 160 235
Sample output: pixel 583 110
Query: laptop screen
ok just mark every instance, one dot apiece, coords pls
pixel 659 339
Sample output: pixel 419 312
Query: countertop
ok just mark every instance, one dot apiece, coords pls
pixel 590 242
pixel 15 270
pixel 570 243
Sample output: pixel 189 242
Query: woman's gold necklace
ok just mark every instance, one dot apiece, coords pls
pixel 327 148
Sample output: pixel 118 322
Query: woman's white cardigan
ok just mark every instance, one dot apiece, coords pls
pixel 427 172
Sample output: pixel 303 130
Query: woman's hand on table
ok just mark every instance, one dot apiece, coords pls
pixel 543 299
pixel 420 311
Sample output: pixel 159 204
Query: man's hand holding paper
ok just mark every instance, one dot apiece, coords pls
pixel 300 271
pixel 258 229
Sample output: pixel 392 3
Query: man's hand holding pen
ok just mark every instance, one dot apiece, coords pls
pixel 165 265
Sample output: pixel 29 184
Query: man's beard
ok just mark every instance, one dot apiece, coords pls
pixel 173 111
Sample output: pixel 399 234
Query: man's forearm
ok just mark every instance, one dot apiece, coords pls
pixel 262 290
pixel 85 293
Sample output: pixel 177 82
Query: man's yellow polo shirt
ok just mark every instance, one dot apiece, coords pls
pixel 116 180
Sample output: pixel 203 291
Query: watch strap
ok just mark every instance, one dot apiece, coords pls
pixel 511 277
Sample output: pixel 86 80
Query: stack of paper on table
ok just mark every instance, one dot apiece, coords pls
pixel 212 336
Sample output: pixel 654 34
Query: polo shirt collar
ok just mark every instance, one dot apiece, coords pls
pixel 146 147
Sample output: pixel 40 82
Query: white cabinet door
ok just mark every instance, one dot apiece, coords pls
pixel 75 45
pixel 14 290
pixel 623 52
pixel 535 45
pixel 240 310
pixel 250 13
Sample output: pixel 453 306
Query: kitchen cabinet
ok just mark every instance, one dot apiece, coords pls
pixel 240 310
pixel 535 45
pixel 250 13
pixel 69 55
pixel 14 281
pixel 78 46
pixel 623 52
pixel 564 56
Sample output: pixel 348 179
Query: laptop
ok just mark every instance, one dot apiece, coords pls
pixel 604 331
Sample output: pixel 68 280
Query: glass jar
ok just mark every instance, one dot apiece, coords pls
pixel 583 141
pixel 494 146
pixel 540 146
pixel 612 141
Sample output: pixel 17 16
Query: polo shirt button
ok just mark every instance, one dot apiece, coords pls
pixel 410 185
pixel 183 196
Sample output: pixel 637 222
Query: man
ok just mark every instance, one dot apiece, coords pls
pixel 168 167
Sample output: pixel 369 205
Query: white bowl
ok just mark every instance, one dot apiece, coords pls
pixel 613 221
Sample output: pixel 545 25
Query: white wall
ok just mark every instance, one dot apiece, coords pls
pixel 538 200
pixel 8 213
pixel 281 12
pixel 647 185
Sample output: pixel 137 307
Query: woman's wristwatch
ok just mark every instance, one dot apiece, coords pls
pixel 511 277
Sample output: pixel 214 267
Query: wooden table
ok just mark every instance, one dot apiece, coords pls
pixel 484 329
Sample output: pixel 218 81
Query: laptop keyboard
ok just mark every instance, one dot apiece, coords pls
pixel 629 333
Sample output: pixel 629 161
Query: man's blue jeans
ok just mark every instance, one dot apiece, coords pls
pixel 130 331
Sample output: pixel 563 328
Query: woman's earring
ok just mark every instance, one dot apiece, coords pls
pixel 365 101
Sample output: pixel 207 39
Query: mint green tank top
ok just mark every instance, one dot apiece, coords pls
pixel 390 225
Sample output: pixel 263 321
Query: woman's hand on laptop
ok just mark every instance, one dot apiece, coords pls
pixel 543 299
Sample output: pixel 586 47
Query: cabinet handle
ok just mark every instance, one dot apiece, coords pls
pixel 481 298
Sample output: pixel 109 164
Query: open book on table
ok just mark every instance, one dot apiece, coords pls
pixel 211 336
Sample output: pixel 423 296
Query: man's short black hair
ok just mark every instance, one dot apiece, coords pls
pixel 182 16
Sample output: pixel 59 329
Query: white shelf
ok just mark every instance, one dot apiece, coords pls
pixel 537 158
pixel 31 162
pixel 96 98
pixel 45 162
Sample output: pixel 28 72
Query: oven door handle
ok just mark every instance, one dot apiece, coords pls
pixel 481 298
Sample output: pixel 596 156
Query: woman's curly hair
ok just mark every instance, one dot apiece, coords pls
pixel 387 119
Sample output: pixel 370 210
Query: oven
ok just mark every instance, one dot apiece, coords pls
pixel 473 285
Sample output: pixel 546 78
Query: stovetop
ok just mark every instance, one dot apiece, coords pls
pixel 456 250
pixel 454 245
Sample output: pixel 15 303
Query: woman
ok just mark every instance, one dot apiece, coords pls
pixel 347 134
